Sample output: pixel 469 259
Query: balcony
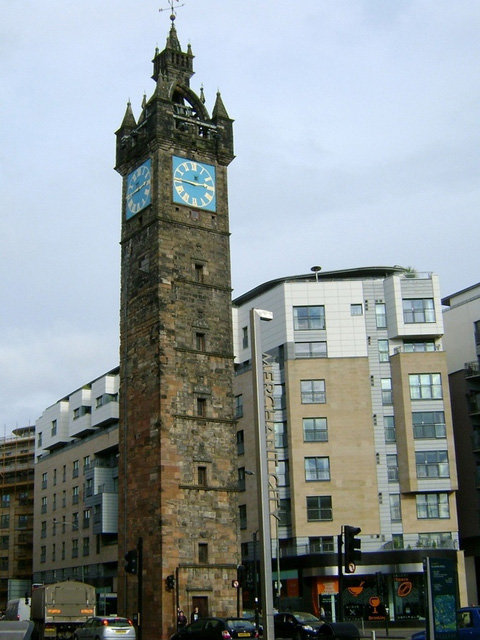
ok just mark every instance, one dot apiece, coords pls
pixel 472 369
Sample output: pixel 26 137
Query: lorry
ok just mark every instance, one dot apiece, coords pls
pixel 468 625
pixel 60 608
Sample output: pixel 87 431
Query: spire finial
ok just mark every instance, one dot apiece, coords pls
pixel 173 14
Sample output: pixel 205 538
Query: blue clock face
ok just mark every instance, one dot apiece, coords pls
pixel 139 188
pixel 194 184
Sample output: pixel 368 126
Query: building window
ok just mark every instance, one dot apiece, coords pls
pixel 43 553
pixel 414 346
pixel 54 502
pixel 313 391
pixel 242 514
pixel 321 544
pixel 76 469
pixel 317 468
pixel 105 399
pixel 428 424
pixel 75 521
pixel 44 504
pixel 432 506
pixel 319 508
pixel 387 393
pixel 279 397
pixel 39 439
pixel 383 350
pixel 389 428
pixel 64 472
pixel 395 508
pixel 240 442
pixel 356 310
pixel 86 547
pixel 282 472
pixel 280 429
pixel 425 386
pixel 315 430
pixel 89 487
pixel 241 478
pixel 284 512
pixel 202 476
pixel 308 318
pixel 44 480
pixel 199 272
pixel 75 548
pixel 202 553
pixel 53 431
pixel 201 407
pixel 5 521
pixel 432 464
pixel 310 349
pixel 392 467
pixel 86 518
pixel 86 463
pixel 200 341
pixel 75 495
pixel 5 500
pixel 245 337
pixel 43 529
pixel 239 406
pixel 418 310
pixel 54 477
pixel 381 315
pixel 435 540
pixel 79 412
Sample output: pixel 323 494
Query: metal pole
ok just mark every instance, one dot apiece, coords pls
pixel 140 586
pixel 255 580
pixel 256 316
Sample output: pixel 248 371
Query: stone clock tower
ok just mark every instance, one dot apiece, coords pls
pixel 177 479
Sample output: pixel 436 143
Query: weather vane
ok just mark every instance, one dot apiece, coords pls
pixel 172 10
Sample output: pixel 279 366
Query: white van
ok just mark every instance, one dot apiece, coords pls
pixel 18 609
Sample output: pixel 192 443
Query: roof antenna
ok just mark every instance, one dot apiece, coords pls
pixel 172 4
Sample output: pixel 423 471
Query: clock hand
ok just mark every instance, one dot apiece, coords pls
pixel 132 193
pixel 195 184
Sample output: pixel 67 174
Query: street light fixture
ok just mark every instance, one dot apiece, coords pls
pixel 256 317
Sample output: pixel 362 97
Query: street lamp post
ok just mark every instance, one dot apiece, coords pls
pixel 256 317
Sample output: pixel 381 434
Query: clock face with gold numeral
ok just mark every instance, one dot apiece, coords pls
pixel 139 188
pixel 194 184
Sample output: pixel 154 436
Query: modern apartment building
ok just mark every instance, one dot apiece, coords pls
pixel 363 437
pixel 16 513
pixel 76 487
pixel 462 344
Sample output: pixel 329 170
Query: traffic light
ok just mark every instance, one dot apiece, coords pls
pixel 170 580
pixel 131 561
pixel 352 553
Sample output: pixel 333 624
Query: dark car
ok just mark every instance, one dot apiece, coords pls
pixel 217 629
pixel 296 625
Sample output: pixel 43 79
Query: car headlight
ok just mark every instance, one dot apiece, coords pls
pixel 307 627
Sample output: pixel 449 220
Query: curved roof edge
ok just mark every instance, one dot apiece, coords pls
pixel 342 274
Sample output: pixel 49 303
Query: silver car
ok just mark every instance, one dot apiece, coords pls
pixel 105 628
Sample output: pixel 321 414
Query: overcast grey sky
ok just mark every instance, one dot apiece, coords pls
pixel 357 143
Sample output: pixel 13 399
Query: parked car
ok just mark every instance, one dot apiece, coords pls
pixel 297 625
pixel 105 628
pixel 217 629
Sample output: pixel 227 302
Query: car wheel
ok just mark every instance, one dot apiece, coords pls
pixel 298 635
